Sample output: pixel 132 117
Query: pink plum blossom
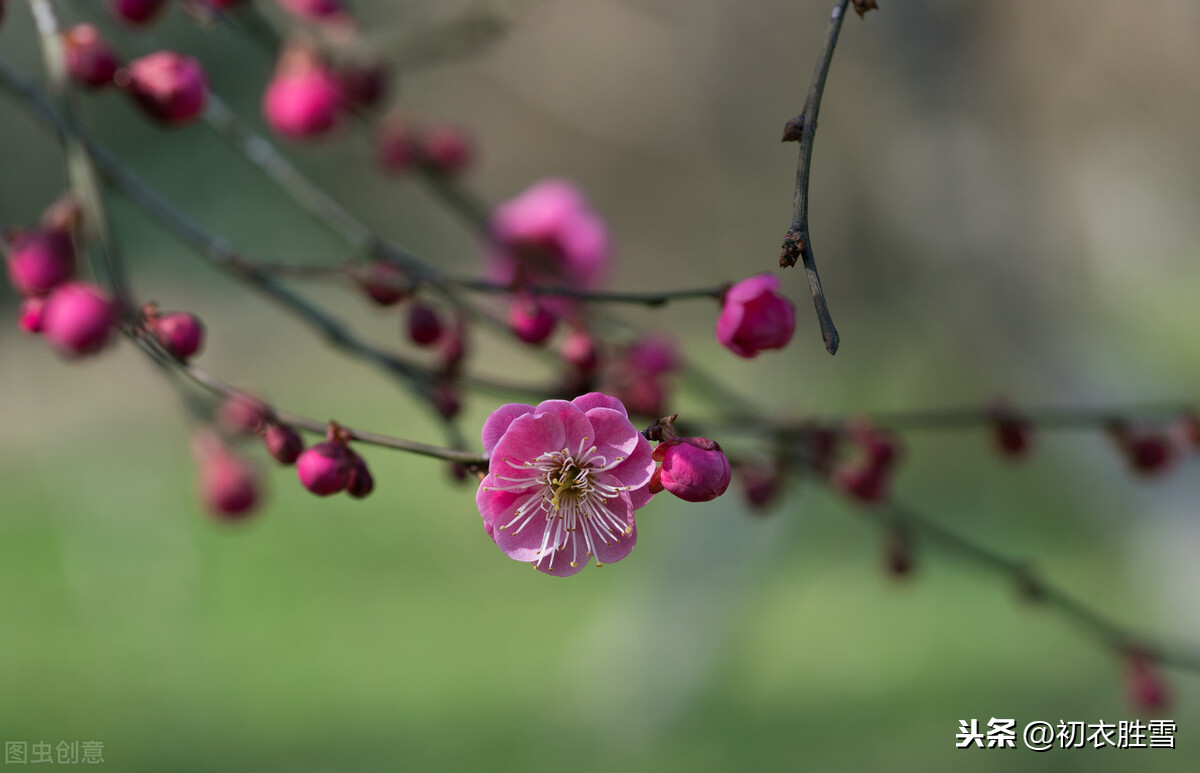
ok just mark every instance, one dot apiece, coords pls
pixel 563 483
pixel 549 233
pixel 754 317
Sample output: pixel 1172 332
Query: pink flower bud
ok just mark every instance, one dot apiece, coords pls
pixel 395 145
pixel 229 485
pixel 304 99
pixel 447 150
pixel 241 414
pixel 424 325
pixel 1012 432
pixel 31 314
pixel 324 468
pixel 78 319
pixel 90 61
pixel 755 317
pixel 283 443
pixel 693 469
pixel 40 260
pixel 531 320
pixel 549 233
pixel 313 10
pixel 135 11
pixel 386 283
pixel 360 482
pixel 1145 687
pixel 579 350
pixel 169 87
pixel 180 333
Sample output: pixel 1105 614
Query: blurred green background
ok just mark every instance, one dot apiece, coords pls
pixel 1004 201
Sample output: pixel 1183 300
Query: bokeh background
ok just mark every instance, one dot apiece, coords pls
pixel 1003 203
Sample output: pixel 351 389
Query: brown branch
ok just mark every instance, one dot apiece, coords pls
pixel 219 388
pixel 797 244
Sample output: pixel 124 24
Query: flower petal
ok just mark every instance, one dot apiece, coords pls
pixel 577 429
pixel 527 438
pixel 615 435
pixel 637 469
pixel 524 541
pixel 496 424
pixel 592 400
pixel 623 545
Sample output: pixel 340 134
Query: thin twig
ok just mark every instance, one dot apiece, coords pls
pixel 222 389
pixel 81 174
pixel 1036 589
pixel 797 244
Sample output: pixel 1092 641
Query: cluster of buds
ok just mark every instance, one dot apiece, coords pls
pixel 402 146
pixel 330 467
pixel 77 318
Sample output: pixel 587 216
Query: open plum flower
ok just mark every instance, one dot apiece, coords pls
pixel 564 480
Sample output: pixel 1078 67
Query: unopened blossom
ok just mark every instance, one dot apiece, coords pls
pixel 169 87
pixel 693 469
pixel 180 333
pixel 304 99
pixel 755 317
pixel 549 233
pixel 39 260
pixel 135 11
pixel 564 481
pixel 530 319
pixel 1012 432
pixel 90 61
pixel 79 319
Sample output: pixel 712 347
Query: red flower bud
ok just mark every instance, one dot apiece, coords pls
pixel 324 468
pixel 283 443
pixel 386 283
pixel 446 149
pixel 90 61
pixel 229 485
pixel 360 483
pixel 761 485
pixel 135 11
pixel 180 333
pixel 395 145
pixel 532 322
pixel 1148 453
pixel 169 87
pixel 304 99
pixel 755 317
pixel 1012 432
pixel 241 414
pixel 78 319
pixel 693 469
pixel 364 83
pixel 40 260
pixel 579 350
pixel 424 325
